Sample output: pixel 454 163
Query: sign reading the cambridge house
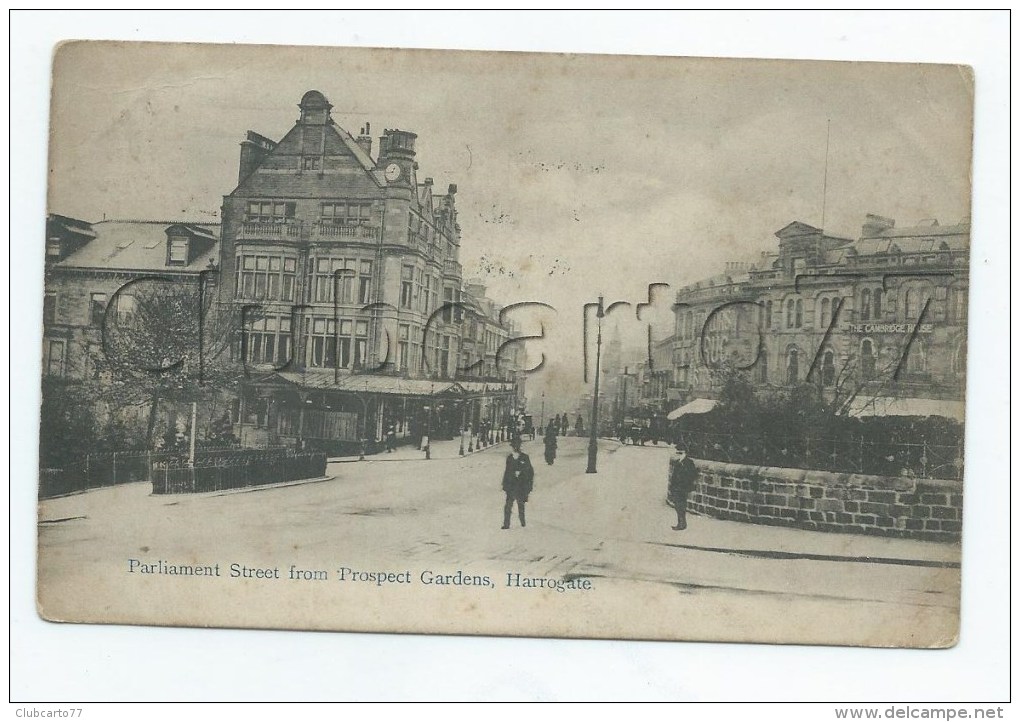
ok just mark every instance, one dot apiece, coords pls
pixel 509 344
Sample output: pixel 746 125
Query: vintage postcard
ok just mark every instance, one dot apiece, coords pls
pixel 505 344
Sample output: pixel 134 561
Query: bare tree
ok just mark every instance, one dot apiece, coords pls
pixel 851 383
pixel 165 341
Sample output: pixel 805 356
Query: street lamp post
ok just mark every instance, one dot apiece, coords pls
pixel 623 404
pixel 593 449
pixel 463 423
pixel 362 426
pixel 427 440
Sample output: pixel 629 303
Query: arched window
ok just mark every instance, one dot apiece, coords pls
pixel 960 359
pixel 867 358
pixel 876 304
pixel 910 305
pixel 800 313
pixel 763 367
pixel 792 366
pixel 828 369
pixel 789 313
pixel 866 304
pixel 917 359
pixel 768 314
pixel 958 305
pixel 823 319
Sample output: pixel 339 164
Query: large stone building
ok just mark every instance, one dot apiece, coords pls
pixel 347 267
pixel 886 313
pixel 91 265
pixel 95 275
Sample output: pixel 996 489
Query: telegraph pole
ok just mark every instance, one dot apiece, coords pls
pixel 593 449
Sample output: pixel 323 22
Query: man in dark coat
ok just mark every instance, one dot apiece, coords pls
pixel 518 480
pixel 550 445
pixel 682 476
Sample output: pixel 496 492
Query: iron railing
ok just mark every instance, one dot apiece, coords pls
pixel 224 473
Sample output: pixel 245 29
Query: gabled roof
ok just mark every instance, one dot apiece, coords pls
pixel 357 151
pixel 933 231
pixel 72 225
pixel 139 246
pixel 425 200
pixel 278 174
pixel 193 229
pixel 797 228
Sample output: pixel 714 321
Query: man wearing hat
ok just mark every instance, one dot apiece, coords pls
pixel 682 476
pixel 518 480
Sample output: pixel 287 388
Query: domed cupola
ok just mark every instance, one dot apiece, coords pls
pixel 314 108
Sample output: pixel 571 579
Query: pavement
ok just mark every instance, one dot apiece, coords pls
pixel 715 580
pixel 444 449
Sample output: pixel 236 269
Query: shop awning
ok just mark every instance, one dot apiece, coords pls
pixel 328 380
pixel 888 406
pixel 481 387
pixel 697 406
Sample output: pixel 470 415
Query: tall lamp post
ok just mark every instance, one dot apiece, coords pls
pixel 463 426
pixel 593 449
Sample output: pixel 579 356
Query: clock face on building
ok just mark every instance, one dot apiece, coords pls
pixel 392 172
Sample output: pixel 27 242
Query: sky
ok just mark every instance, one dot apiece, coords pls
pixel 577 175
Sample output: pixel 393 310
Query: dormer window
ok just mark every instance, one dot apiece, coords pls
pixel 53 248
pixel 177 252
pixel 311 162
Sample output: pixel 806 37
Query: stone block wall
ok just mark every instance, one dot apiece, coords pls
pixel 904 507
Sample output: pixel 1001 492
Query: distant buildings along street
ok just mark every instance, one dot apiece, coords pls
pixel 885 313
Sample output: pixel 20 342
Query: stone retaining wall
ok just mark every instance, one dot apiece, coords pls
pixel 902 507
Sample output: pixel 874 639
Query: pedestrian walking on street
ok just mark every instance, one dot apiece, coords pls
pixel 550 445
pixel 391 437
pixel 564 424
pixel 682 475
pixel 518 481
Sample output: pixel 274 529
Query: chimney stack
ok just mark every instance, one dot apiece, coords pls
pixel 254 149
pixel 365 138
pixel 874 225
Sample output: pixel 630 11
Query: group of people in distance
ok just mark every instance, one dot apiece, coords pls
pixel 519 478
pixel 560 424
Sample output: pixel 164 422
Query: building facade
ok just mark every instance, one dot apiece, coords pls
pixel 345 266
pixel 92 276
pixel 885 313
pixel 88 264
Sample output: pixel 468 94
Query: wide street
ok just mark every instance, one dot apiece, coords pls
pixel 411 517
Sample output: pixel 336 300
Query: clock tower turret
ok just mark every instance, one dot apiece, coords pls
pixel 396 156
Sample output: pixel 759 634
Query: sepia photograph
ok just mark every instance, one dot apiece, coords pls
pixel 496 344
